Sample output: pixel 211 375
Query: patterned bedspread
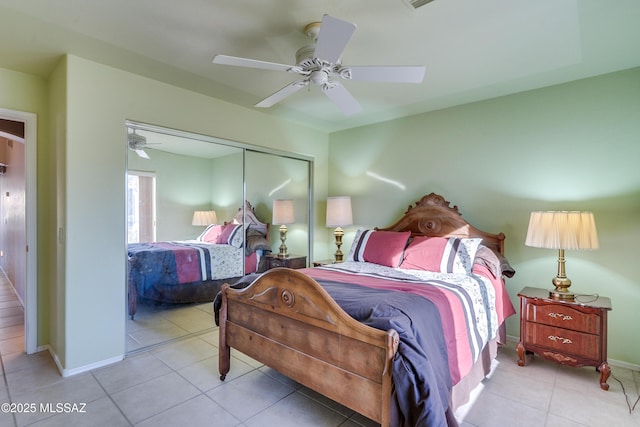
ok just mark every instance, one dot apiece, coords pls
pixel 471 307
pixel 175 263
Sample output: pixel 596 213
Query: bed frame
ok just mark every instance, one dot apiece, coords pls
pixel 287 321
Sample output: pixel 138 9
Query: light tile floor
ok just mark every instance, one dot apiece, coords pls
pixel 176 384
pixel 156 323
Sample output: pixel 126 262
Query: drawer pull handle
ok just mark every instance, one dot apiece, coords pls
pixel 560 316
pixel 561 340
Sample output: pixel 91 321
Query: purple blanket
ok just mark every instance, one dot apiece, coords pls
pixel 421 379
pixel 168 263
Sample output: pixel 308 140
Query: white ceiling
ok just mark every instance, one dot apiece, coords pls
pixel 472 49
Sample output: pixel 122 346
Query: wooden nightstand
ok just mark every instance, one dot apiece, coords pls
pixel 323 262
pixel 292 261
pixel 572 333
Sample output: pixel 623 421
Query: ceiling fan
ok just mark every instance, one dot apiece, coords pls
pixel 321 66
pixel 136 143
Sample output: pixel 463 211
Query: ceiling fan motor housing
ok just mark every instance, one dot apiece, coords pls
pixel 305 53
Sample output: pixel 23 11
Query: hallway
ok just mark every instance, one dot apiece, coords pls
pixel 11 319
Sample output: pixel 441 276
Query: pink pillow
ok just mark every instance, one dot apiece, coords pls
pixel 211 234
pixel 380 247
pixel 441 254
pixel 228 234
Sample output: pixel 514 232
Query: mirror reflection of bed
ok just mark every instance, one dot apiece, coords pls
pixel 171 284
pixel 182 173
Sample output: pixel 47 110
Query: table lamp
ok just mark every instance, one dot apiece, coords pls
pixel 283 214
pixel 572 230
pixel 338 216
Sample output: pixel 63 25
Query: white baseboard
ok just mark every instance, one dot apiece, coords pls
pixel 69 372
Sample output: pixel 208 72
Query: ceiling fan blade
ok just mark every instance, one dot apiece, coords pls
pixel 286 91
pixel 249 63
pixel 342 98
pixel 333 38
pixel 140 152
pixel 391 74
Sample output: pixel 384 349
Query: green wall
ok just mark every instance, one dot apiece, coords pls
pixel 574 146
pixel 183 185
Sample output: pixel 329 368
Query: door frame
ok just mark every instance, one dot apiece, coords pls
pixel 31 296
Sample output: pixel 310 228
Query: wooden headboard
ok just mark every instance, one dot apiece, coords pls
pixel 433 216
pixel 249 215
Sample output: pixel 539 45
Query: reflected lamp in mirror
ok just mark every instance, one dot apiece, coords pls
pixel 204 218
pixel 283 214
pixel 339 215
pixel 562 230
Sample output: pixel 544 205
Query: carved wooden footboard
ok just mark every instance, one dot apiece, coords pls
pixel 287 321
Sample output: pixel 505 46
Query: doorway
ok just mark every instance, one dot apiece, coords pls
pixel 19 213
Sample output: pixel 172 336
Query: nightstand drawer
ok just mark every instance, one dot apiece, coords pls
pixel 563 317
pixel 271 261
pixel 563 340
pixel 285 262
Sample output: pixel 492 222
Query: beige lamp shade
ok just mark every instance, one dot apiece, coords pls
pixel 283 212
pixel 339 211
pixel 569 230
pixel 562 230
pixel 204 218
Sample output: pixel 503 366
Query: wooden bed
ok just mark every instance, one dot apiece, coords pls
pixel 289 322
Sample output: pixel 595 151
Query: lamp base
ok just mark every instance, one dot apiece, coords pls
pixel 561 295
pixel 561 290
pixel 283 247
pixel 338 233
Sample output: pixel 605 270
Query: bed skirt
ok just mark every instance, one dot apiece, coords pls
pixel 195 292
pixel 462 391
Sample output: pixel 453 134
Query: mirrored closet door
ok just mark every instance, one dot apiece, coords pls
pixel 280 187
pixel 200 214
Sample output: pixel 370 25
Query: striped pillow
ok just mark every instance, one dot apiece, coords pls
pixel 441 254
pixel 228 234
pixel 232 235
pixel 379 247
pixel 211 234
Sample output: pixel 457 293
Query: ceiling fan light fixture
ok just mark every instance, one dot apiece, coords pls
pixel 318 77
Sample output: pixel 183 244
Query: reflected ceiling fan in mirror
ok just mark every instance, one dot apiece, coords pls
pixel 136 143
pixel 320 65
